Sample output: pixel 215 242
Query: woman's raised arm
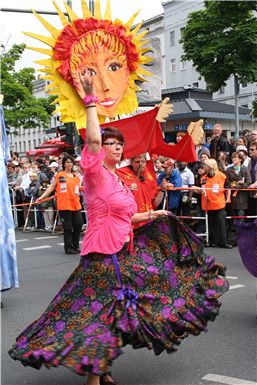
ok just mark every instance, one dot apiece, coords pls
pixel 93 135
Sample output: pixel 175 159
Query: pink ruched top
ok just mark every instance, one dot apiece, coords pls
pixel 110 207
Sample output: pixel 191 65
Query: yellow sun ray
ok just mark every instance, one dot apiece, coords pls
pixel 97 10
pixel 108 11
pixel 141 36
pixel 63 18
pixel 130 22
pixel 85 10
pixel 44 51
pixel 45 39
pixel 54 32
pixel 46 70
pixel 136 29
pixel 44 62
pixel 71 13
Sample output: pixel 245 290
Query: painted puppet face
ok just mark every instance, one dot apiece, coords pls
pixel 110 78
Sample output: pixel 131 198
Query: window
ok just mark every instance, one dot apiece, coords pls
pixel 173 65
pixel 183 65
pixel 172 38
pixel 24 146
pixel 222 90
pixel 243 85
pixel 244 105
pixel 181 32
pixel 196 85
pixel 34 142
pixel 29 144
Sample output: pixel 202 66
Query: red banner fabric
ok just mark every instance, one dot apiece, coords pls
pixel 142 133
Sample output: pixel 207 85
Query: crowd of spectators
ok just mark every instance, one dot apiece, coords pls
pixel 234 168
pixel 28 180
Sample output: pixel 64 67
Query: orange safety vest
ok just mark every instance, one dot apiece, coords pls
pixel 215 196
pixel 67 191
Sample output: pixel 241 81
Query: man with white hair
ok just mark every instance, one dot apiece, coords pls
pixel 218 142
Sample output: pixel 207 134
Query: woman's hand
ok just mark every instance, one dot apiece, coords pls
pixel 87 82
pixel 159 213
pixel 148 215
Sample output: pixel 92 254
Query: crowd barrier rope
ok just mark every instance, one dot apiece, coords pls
pixel 32 205
pixel 205 217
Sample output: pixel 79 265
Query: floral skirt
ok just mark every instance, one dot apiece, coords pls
pixel 153 297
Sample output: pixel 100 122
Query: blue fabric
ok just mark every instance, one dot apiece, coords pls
pixel 9 271
pixel 173 196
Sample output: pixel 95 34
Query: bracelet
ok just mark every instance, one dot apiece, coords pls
pixel 151 217
pixel 91 105
pixel 90 99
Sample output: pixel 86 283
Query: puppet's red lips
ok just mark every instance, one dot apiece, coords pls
pixel 107 102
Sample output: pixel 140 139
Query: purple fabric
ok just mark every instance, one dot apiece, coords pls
pixel 247 241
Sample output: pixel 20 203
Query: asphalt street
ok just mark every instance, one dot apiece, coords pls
pixel 226 354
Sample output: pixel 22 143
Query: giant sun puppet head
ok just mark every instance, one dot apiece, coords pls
pixel 112 52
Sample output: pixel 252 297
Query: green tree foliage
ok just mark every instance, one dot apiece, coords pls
pixel 221 40
pixel 21 108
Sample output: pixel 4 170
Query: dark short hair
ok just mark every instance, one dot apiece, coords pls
pixel 181 133
pixel 65 158
pixel 10 165
pixel 237 155
pixel 112 132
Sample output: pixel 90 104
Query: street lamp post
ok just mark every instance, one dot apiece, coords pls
pixel 92 6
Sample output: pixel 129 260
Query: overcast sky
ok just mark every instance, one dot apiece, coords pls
pixel 12 24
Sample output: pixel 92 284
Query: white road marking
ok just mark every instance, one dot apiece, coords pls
pixel 235 286
pixel 48 237
pixel 229 277
pixel 21 240
pixel 227 380
pixel 37 247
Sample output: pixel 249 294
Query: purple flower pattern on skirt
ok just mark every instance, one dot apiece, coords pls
pixel 170 288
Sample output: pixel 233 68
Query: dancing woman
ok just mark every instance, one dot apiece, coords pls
pixel 150 290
